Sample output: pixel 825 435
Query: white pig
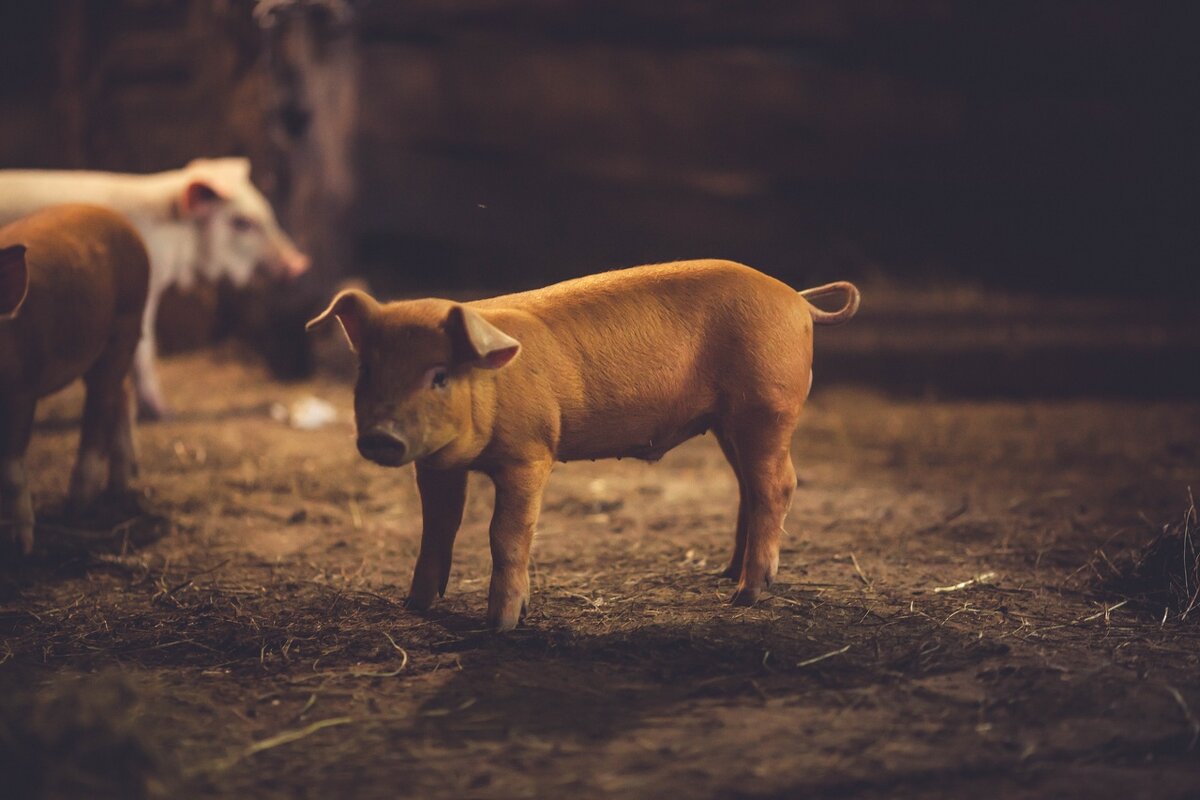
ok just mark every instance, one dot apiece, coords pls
pixel 205 220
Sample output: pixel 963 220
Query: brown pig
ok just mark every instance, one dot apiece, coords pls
pixel 73 283
pixel 625 363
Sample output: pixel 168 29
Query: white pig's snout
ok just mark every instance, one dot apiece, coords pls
pixel 285 262
pixel 384 446
pixel 294 263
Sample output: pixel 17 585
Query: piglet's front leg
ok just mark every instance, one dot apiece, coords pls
pixel 443 495
pixel 518 502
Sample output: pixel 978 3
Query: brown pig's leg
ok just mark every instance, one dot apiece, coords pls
pixel 518 503
pixel 763 448
pixel 16 504
pixel 734 570
pixel 443 495
pixel 103 412
pixel 122 454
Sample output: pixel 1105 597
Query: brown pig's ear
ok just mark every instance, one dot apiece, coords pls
pixel 478 341
pixel 14 280
pixel 352 308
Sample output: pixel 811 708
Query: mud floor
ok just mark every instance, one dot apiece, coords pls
pixel 249 605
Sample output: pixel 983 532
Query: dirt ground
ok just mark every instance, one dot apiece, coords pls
pixel 250 614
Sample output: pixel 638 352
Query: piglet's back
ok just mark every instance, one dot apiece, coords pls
pixel 87 269
pixel 75 248
pixel 667 317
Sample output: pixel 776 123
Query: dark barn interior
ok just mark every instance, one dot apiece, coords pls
pixel 989 581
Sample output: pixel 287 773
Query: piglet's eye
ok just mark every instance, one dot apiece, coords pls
pixel 438 379
pixel 242 224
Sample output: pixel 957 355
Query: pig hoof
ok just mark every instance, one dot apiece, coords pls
pixel 79 503
pixel 503 624
pixel 417 603
pixel 83 498
pixel 506 619
pixel 733 572
pixel 20 540
pixel 423 592
pixel 745 596
pixel 125 495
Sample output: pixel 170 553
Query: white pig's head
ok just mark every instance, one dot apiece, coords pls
pixel 238 229
pixel 14 280
pixel 418 363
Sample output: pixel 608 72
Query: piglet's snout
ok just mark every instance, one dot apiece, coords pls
pixel 383 447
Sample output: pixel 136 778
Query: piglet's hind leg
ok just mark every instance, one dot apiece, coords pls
pixel 763 448
pixel 106 436
pixel 122 454
pixel 733 570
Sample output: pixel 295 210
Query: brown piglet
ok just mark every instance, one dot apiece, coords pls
pixel 628 363
pixel 73 282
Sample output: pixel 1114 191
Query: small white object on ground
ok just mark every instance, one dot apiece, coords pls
pixel 309 413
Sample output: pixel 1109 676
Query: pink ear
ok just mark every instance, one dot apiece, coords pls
pixel 498 358
pixel 350 316
pixel 14 279
pixel 478 341
pixel 351 308
pixel 201 199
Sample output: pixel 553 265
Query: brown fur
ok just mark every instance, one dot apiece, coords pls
pixel 85 273
pixel 626 363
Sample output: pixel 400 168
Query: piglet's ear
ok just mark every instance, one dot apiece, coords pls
pixel 14 280
pixel 353 309
pixel 478 341
pixel 201 199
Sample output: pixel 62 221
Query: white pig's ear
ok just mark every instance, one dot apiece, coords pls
pixel 478 341
pixel 352 308
pixel 201 199
pixel 14 280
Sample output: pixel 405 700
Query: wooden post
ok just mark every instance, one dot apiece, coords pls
pixel 312 68
pixel 72 96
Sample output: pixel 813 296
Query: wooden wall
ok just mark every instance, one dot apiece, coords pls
pixel 1025 144
pixel 509 142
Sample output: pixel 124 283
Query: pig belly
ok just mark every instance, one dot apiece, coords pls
pixel 72 314
pixel 67 323
pixel 664 441
pixel 64 371
pixel 626 436
pixel 67 337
